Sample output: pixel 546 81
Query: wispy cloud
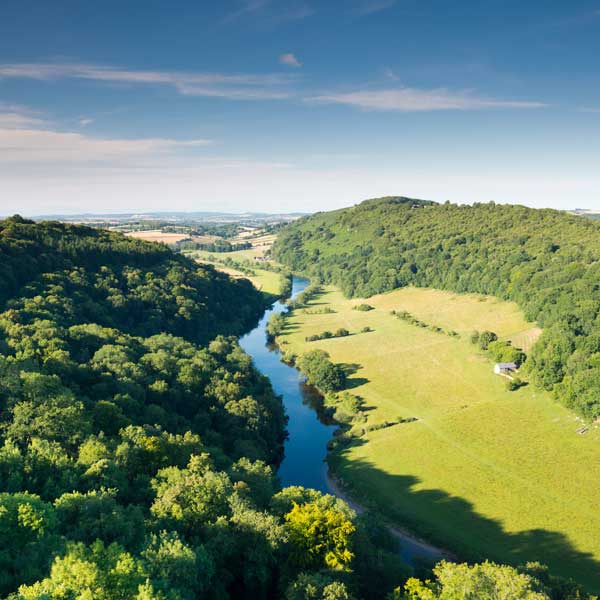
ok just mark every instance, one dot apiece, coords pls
pixel 589 109
pixel 235 87
pixel 290 60
pixel 276 86
pixel 247 7
pixel 14 117
pixel 368 7
pixel 26 139
pixel 273 12
pixel 417 100
pixel 295 12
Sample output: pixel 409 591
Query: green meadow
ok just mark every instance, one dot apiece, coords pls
pixel 267 282
pixel 483 472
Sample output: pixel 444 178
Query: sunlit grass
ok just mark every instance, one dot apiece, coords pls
pixel 483 467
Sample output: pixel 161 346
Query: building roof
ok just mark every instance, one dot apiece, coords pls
pixel 506 365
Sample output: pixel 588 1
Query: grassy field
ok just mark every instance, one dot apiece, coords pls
pixel 268 282
pixel 483 471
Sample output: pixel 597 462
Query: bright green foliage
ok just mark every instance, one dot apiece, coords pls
pixel 176 570
pixel 320 537
pixel 545 260
pixel 486 581
pixel 97 572
pixel 504 352
pixel 317 586
pixel 188 499
pixel 27 540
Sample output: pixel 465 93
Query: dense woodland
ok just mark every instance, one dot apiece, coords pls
pixel 546 260
pixel 138 444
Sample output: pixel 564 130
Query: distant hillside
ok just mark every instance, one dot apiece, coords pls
pixel 545 260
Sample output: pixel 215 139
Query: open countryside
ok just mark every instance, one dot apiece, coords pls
pixel 483 471
pixel 300 300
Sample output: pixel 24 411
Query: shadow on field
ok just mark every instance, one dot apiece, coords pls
pixel 459 528
pixel 352 382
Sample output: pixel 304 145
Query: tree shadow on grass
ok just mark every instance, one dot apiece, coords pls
pixel 352 382
pixel 451 523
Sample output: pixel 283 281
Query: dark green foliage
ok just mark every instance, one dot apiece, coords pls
pixel 505 352
pixel 219 245
pixel 514 384
pixel 27 539
pixel 486 338
pixel 275 325
pixel 363 307
pixel 321 372
pixel 106 400
pixel 325 335
pixel 545 260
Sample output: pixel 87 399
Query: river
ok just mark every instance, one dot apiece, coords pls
pixel 306 447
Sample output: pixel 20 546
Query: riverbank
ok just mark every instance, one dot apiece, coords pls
pixel 411 547
pixel 310 430
pixel 446 450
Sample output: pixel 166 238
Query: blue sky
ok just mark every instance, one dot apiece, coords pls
pixel 296 105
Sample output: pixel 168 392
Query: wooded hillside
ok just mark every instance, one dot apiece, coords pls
pixel 545 260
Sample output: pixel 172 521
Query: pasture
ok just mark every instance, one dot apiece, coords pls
pixel 267 282
pixel 484 472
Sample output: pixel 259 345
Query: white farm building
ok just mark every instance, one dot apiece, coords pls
pixel 505 368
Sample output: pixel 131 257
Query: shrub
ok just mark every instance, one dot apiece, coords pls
pixel 363 307
pixel 486 338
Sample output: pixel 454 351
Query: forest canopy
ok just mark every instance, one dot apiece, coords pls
pixel 546 260
pixel 138 443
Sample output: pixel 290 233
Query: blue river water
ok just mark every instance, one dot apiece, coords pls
pixel 306 447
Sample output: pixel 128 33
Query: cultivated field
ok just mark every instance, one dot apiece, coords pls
pixel 268 282
pixel 265 281
pixel 484 472
pixel 156 235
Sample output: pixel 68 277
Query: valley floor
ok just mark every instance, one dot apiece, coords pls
pixel 483 471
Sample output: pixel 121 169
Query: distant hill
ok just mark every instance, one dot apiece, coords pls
pixel 172 217
pixel 548 261
pixel 591 213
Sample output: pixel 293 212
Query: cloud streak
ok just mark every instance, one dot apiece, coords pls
pixel 234 87
pixel 294 11
pixel 368 7
pixel 418 100
pixel 25 139
pixel 277 86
